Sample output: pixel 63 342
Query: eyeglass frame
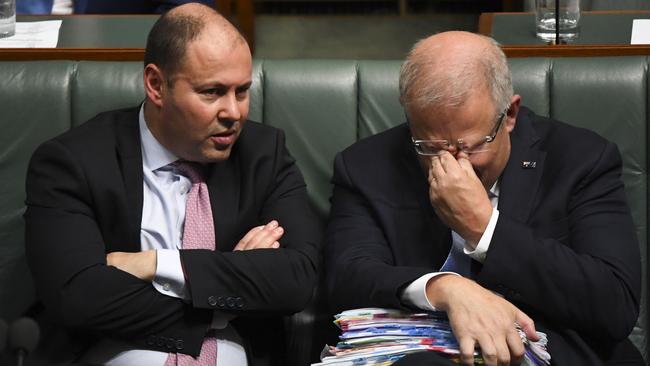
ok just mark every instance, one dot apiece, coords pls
pixel 460 144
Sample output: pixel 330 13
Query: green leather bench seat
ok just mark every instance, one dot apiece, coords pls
pixel 324 106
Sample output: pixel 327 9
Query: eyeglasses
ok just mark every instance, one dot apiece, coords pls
pixel 436 147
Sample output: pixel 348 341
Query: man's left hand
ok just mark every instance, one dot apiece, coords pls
pixel 140 264
pixel 458 196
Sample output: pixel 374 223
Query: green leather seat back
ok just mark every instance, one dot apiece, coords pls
pixel 95 84
pixel 34 106
pixel 323 106
pixel 315 103
pixel 609 96
pixel 379 107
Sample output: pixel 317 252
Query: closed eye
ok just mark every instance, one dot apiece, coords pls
pixel 219 91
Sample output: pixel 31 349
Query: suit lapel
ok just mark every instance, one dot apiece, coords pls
pixel 521 178
pixel 223 185
pixel 129 154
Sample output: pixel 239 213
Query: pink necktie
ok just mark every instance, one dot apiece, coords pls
pixel 198 233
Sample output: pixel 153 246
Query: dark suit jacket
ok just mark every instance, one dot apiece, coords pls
pixel 84 199
pixel 564 249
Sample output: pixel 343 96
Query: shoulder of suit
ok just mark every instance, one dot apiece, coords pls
pixel 102 128
pixel 552 132
pixel 384 142
pixel 256 129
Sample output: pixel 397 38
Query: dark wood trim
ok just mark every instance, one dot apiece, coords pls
pixel 246 16
pixel 576 51
pixel 80 54
pixel 485 24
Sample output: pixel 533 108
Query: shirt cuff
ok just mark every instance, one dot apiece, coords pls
pixel 415 294
pixel 480 252
pixel 169 279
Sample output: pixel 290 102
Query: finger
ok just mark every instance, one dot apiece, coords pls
pixel 275 245
pixel 433 180
pixel 466 165
pixel 435 168
pixel 516 347
pixel 502 351
pixel 527 325
pixel 247 237
pixel 265 238
pixel 447 161
pixel 488 350
pixel 466 346
pixel 255 233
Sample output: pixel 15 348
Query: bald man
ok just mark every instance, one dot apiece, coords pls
pixel 480 208
pixel 177 231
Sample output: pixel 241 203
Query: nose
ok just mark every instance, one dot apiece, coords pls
pixel 458 151
pixel 229 111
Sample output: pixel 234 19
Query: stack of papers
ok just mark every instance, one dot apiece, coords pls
pixel 375 336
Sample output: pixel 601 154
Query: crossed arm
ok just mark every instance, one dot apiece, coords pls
pixel 143 264
pixel 76 214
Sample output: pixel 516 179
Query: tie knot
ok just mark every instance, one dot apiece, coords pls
pixel 194 171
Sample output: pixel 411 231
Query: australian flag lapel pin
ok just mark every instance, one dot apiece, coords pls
pixel 528 164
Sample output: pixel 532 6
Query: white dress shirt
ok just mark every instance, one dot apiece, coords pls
pixel 415 293
pixel 163 215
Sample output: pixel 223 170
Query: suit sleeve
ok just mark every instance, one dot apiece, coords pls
pixel 361 270
pixel 67 256
pixel 584 273
pixel 264 281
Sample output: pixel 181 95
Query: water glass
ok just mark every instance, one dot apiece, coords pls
pixel 7 18
pixel 569 11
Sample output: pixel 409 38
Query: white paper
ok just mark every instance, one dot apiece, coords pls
pixel 640 31
pixel 43 34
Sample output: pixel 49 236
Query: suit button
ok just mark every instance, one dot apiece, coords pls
pixel 230 301
pixel 221 302
pixel 179 344
pixel 212 301
pixel 151 340
pixel 239 302
pixel 160 341
pixel 170 343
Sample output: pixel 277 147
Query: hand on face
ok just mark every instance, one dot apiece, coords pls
pixel 262 237
pixel 458 196
pixel 477 316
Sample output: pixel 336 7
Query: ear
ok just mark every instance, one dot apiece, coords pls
pixel 155 85
pixel 511 114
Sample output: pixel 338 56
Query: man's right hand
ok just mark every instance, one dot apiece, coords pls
pixel 262 237
pixel 477 316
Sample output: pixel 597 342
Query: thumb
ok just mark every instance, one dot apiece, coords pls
pixel 527 325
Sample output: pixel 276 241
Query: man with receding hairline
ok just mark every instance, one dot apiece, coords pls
pixel 176 232
pixel 480 208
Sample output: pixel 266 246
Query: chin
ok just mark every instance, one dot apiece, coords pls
pixel 216 156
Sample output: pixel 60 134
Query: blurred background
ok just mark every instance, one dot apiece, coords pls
pixel 358 29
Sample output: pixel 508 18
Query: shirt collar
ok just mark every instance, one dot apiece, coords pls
pixel 494 190
pixel 154 155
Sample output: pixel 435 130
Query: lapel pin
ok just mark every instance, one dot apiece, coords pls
pixel 529 164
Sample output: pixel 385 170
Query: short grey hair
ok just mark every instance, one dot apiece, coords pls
pixel 421 83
